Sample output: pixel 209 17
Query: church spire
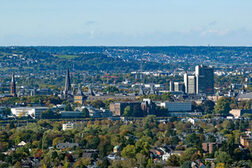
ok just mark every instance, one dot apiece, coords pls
pixel 13 86
pixel 67 82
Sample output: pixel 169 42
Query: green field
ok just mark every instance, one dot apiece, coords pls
pixel 67 56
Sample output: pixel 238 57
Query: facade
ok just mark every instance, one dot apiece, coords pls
pixel 33 112
pixel 177 106
pixel 204 80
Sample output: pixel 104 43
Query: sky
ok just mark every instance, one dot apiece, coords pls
pixel 125 22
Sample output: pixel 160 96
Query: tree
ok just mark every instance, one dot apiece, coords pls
pixel 223 157
pixel 186 164
pixel 223 106
pixel 129 151
pixel 48 114
pixel 141 160
pixel 126 111
pixel 111 89
pixel 192 139
pixel 208 106
pixel 85 113
pixel 97 103
pixel 68 107
pixel 6 111
pixel 173 160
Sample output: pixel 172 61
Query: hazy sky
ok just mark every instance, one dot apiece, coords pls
pixel 126 22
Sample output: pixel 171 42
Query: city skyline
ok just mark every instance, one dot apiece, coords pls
pixel 118 23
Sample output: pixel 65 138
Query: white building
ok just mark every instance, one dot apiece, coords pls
pixel 68 126
pixel 177 106
pixel 34 112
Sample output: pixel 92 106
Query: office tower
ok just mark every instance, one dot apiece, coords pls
pixel 204 80
pixel 179 87
pixel 190 83
pixel 13 86
pixel 171 86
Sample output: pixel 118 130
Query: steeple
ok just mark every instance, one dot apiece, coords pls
pixel 141 91
pixel 67 83
pixel 79 92
pixel 13 86
pixel 90 90
pixel 80 97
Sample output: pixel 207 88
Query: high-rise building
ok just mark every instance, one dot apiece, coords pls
pixel 190 83
pixel 171 86
pixel 179 87
pixel 13 86
pixel 204 80
pixel 201 82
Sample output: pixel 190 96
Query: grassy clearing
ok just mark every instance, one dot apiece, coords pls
pixel 67 56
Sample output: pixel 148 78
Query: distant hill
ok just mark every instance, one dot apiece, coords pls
pixel 119 59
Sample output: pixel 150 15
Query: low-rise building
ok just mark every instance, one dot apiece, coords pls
pixel 209 147
pixel 68 126
pixel 66 145
pixel 117 108
pixel 33 112
pixel 71 114
pixel 177 106
pixel 245 141
pixel 239 112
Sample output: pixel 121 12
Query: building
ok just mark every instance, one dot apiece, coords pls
pixel 67 94
pixel 114 97
pixel 68 126
pixel 209 147
pixel 171 86
pixel 201 82
pixel 13 91
pixel 33 112
pixel 177 106
pixel 244 96
pixel 148 106
pixel 190 84
pixel 204 80
pixel 179 87
pixel 117 108
pixel 239 112
pixel 71 114
pixel 79 97
pixel 67 145
pixel 245 141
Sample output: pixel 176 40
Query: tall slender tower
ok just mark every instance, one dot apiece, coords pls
pixel 13 86
pixel 67 84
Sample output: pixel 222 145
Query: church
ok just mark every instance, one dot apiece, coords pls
pixel 69 93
